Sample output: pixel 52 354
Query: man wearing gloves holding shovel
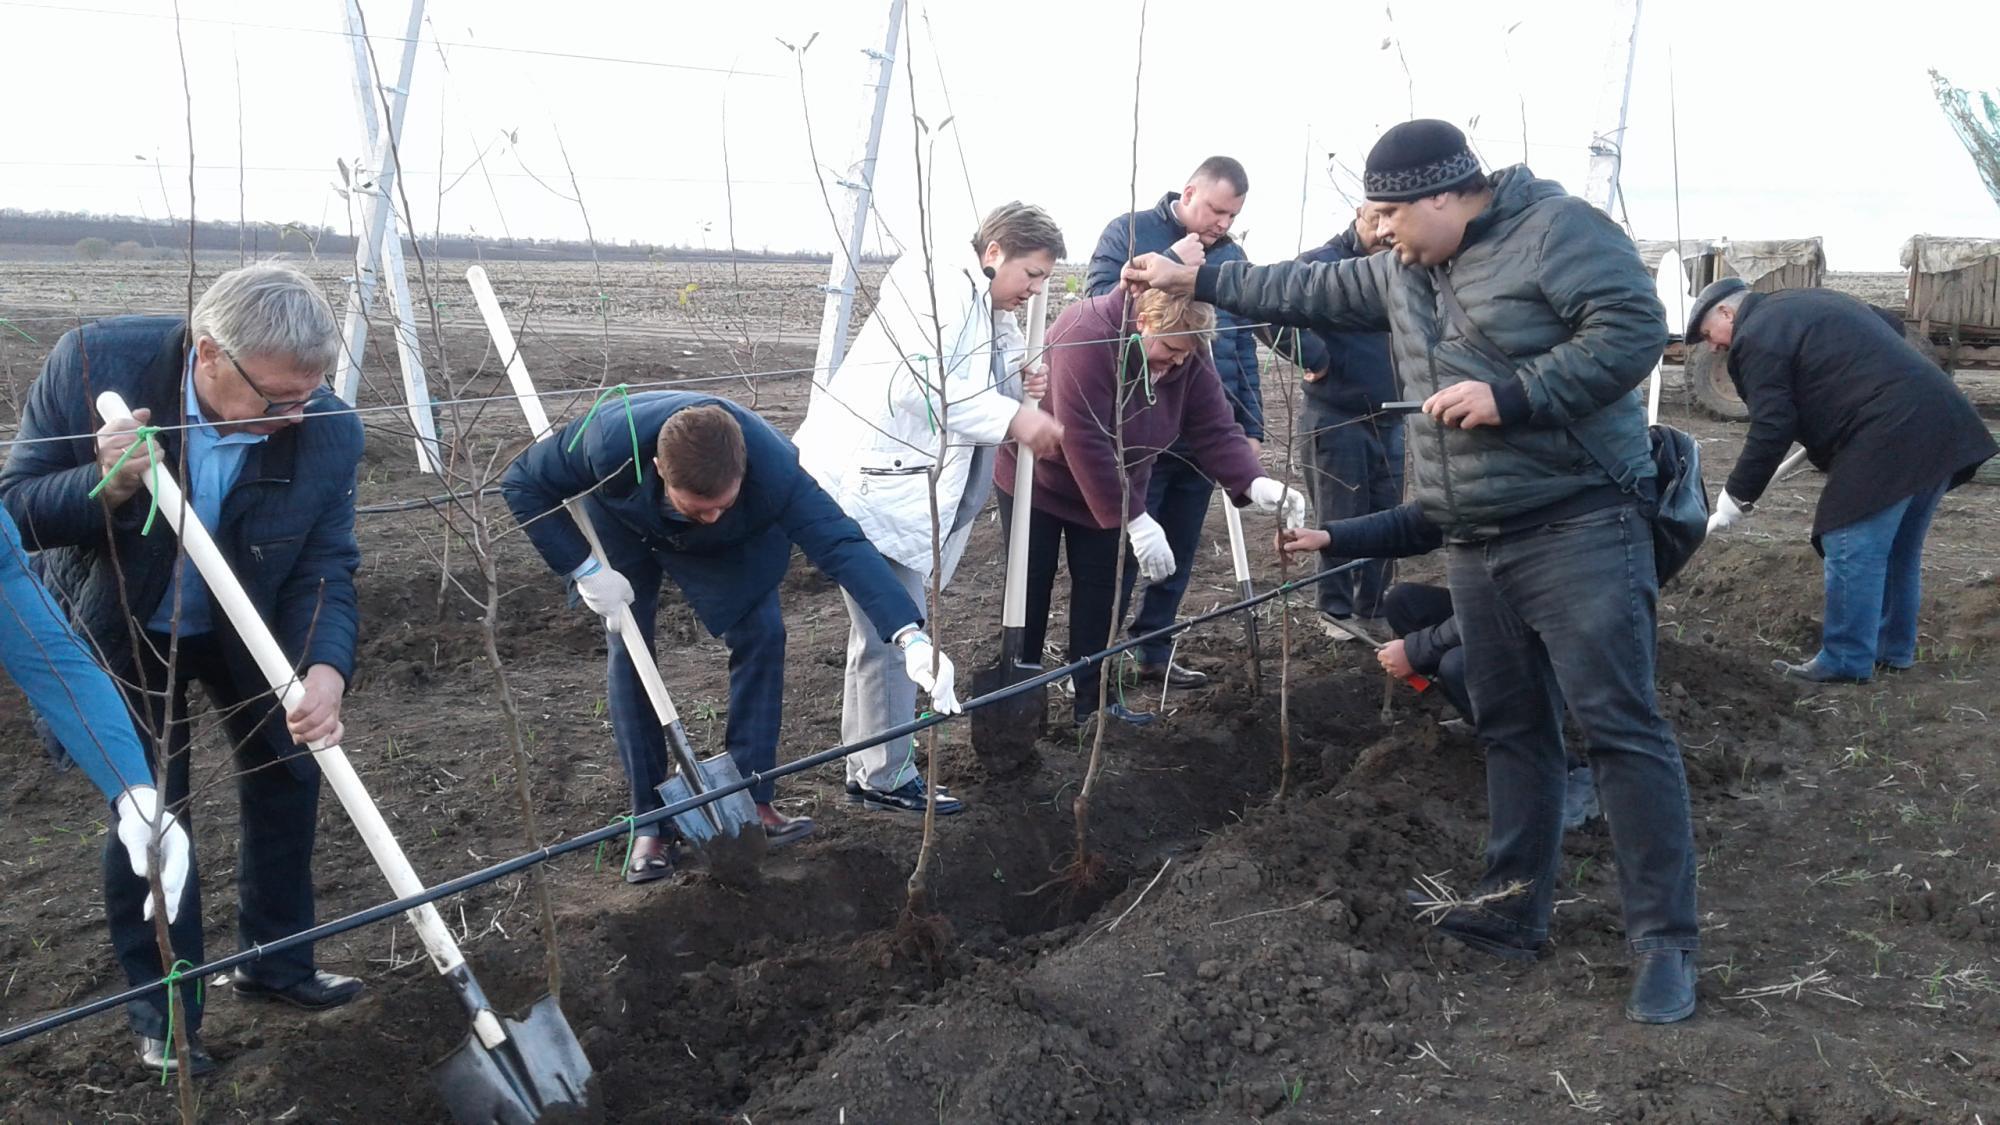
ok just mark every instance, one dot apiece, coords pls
pixel 716 504
pixel 1524 319
pixel 269 456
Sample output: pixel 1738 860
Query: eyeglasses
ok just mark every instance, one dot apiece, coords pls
pixel 272 406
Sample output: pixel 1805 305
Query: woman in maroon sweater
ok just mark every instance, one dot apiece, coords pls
pixel 1158 347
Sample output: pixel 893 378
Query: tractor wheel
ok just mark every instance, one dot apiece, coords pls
pixel 1708 380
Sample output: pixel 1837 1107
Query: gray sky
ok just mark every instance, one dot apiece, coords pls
pixel 1795 118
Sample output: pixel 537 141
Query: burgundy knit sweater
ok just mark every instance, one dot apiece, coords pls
pixel 1080 484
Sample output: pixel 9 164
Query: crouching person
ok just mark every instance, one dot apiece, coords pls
pixel 268 457
pixel 716 508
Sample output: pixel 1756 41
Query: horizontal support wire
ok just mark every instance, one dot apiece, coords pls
pixel 593 391
pixel 463 883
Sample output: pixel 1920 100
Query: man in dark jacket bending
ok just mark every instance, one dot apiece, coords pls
pixel 1551 564
pixel 1179 494
pixel 267 456
pixel 716 506
pixel 1889 428
pixel 1355 453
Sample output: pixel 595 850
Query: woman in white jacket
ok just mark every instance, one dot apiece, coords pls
pixel 929 389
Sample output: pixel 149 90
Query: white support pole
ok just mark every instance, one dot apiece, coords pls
pixel 858 184
pixel 378 253
pixel 1600 185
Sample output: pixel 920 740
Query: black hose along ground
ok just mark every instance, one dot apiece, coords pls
pixel 389 910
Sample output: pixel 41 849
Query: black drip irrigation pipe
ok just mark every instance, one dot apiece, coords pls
pixel 621 826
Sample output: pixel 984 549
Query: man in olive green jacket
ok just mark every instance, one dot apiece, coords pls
pixel 1526 409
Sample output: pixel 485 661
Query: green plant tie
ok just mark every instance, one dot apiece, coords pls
pixel 17 331
pixel 930 411
pixel 1145 370
pixel 631 841
pixel 173 979
pixel 638 473
pixel 145 434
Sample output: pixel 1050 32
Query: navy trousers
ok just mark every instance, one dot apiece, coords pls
pixel 1353 468
pixel 1177 498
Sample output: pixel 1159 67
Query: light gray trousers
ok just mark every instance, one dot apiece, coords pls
pixel 878 693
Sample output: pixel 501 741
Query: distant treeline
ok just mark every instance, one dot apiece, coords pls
pixel 122 236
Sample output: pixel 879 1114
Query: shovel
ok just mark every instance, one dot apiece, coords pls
pixel 1004 734
pixel 729 819
pixel 508 1071
pixel 1244 591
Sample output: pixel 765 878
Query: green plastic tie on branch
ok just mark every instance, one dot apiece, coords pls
pixel 18 332
pixel 1145 370
pixel 142 434
pixel 173 979
pixel 631 841
pixel 638 473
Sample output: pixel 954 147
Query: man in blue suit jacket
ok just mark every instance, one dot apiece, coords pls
pixel 716 508
pixel 267 456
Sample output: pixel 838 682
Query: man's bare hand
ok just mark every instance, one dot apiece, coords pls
pixel 1157 271
pixel 1190 250
pixel 1395 660
pixel 1464 405
pixel 1035 381
pixel 317 717
pixel 113 439
pixel 1296 540
pixel 1040 432
pixel 1312 376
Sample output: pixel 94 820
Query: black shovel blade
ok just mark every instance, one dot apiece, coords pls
pixel 1004 733
pixel 722 820
pixel 539 1074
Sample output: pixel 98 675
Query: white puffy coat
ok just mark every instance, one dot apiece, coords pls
pixel 872 431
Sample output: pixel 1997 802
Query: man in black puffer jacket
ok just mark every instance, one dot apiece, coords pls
pixel 1551 564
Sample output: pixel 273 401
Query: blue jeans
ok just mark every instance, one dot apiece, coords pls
pixel 1576 601
pixel 1874 579
pixel 756 696
pixel 1177 498
pixel 1355 468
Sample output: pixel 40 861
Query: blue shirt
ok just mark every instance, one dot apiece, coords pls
pixel 213 463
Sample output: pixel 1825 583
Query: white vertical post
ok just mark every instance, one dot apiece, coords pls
pixel 378 252
pixel 858 184
pixel 1600 185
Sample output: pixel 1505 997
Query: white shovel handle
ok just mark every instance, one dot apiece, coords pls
pixel 1014 598
pixel 1238 556
pixel 256 636
pixel 538 421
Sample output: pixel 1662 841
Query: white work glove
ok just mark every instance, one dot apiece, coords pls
pixel 1727 512
pixel 138 812
pixel 1149 546
pixel 917 654
pixel 604 590
pixel 1269 496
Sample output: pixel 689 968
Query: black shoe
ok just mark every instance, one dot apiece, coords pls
pixel 1477 929
pixel 1883 667
pixel 316 993
pixel 908 797
pixel 1173 674
pixel 1812 672
pixel 155 1053
pixel 780 829
pixel 1662 987
pixel 1579 799
pixel 1120 712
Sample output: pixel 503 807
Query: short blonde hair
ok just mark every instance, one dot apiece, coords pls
pixel 1162 313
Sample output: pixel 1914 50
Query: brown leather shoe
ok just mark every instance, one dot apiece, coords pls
pixel 780 829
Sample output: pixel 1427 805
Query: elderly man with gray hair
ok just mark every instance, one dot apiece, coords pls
pixel 233 403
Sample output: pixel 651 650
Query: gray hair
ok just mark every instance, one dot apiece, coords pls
pixel 269 309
